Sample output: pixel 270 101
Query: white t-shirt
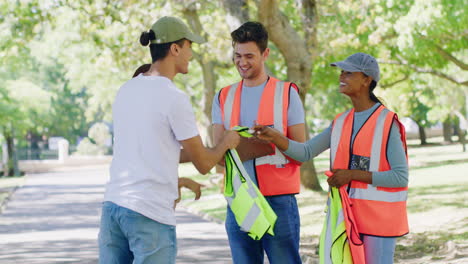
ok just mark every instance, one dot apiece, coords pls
pixel 150 115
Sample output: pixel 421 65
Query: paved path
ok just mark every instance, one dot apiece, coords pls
pixel 54 218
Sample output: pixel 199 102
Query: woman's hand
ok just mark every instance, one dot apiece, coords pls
pixel 272 135
pixel 265 132
pixel 340 177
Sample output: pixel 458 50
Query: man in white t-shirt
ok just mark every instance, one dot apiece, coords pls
pixel 152 120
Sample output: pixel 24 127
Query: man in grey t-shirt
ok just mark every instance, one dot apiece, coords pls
pixel 247 103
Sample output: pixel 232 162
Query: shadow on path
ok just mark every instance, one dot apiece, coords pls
pixel 54 218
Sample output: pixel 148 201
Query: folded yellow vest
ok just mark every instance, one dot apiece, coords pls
pixel 334 244
pixel 252 212
pixel 340 241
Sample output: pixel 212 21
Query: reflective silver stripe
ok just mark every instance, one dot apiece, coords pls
pixel 377 141
pixel 278 106
pixel 228 104
pixel 278 158
pixel 334 206
pixel 250 218
pixel 236 177
pixel 336 135
pixel 240 166
pixel 254 213
pixel 240 170
pixel 372 194
pixel 340 218
pixel 251 189
pixel 236 182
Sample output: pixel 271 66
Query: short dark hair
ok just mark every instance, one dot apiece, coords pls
pixel 251 31
pixel 158 51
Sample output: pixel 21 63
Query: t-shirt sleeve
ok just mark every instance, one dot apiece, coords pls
pixel 182 119
pixel 295 109
pixel 216 111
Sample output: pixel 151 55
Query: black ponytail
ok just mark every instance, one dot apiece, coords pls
pixel 158 51
pixel 146 37
pixel 372 96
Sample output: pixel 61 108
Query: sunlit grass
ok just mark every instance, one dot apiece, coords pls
pixel 427 244
pixel 434 165
pixel 438 177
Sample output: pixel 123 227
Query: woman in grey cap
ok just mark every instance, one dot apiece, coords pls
pixel 367 158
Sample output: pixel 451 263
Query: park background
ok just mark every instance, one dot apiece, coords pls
pixel 62 63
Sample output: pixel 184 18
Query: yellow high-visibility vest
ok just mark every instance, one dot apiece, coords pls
pixel 334 245
pixel 252 212
pixel 340 241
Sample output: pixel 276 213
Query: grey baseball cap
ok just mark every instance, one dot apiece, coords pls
pixel 169 29
pixel 360 62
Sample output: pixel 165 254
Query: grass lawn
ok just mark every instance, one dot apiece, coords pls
pixel 437 204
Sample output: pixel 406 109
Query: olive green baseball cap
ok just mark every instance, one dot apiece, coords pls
pixel 169 29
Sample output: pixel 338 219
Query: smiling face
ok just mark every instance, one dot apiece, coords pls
pixel 354 83
pixel 249 61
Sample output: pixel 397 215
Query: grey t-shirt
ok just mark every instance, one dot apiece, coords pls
pixel 396 177
pixel 250 101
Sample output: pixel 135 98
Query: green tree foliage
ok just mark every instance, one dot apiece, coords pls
pixel 97 142
pixel 74 55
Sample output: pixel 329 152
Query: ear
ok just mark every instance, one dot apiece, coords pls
pixel 368 81
pixel 174 49
pixel 266 53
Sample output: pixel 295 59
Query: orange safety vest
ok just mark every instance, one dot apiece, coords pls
pixel 379 211
pixel 275 173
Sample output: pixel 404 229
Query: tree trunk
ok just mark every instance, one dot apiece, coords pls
pixel 447 130
pixel 12 163
pixel 208 66
pixel 208 93
pixel 309 17
pixel 461 133
pixel 462 139
pixel 298 62
pixel 5 159
pixel 422 134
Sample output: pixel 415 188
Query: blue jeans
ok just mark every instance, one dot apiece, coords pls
pixel 126 236
pixel 379 250
pixel 281 248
